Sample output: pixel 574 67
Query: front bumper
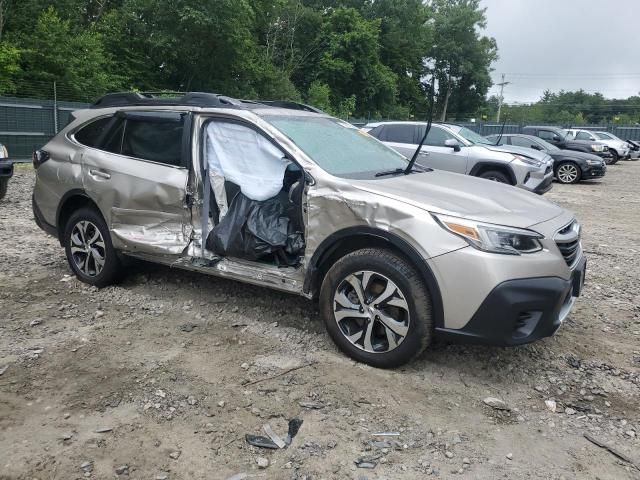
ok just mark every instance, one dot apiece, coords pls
pixel 594 171
pixel 545 185
pixel 521 311
pixel 6 168
pixel 606 156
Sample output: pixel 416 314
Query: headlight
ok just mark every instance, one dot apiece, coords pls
pixel 527 160
pixel 492 238
pixel 597 148
pixel 594 162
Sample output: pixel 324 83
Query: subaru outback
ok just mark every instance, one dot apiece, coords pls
pixel 281 195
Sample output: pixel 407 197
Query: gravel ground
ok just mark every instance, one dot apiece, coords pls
pixel 162 376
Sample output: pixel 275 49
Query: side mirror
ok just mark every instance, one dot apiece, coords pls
pixel 556 138
pixel 536 147
pixel 452 143
pixel 308 179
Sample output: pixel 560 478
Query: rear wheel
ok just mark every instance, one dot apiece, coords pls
pixel 89 251
pixel 376 308
pixel 495 176
pixel 568 172
pixel 4 184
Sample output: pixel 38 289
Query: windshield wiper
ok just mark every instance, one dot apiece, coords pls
pixel 398 171
pixel 501 131
pixel 412 162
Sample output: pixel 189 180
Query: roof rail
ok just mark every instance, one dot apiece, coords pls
pixel 196 99
pixel 290 105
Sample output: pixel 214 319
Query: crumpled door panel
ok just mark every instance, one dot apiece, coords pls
pixel 148 231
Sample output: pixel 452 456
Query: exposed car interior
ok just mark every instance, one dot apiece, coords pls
pixel 255 196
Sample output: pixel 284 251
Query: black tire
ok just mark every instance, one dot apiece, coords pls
pixel 614 157
pixel 568 172
pixel 93 222
pixel 410 285
pixel 4 185
pixel 495 176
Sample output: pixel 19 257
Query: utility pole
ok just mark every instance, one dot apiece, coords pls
pixel 501 99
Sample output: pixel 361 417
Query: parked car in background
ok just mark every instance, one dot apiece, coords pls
pixel 619 149
pixel 466 259
pixel 460 150
pixel 6 170
pixel 561 139
pixel 634 149
pixel 569 166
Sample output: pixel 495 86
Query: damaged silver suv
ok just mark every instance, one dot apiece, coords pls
pixel 282 195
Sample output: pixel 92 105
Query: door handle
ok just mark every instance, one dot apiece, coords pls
pixel 99 174
pixel 424 154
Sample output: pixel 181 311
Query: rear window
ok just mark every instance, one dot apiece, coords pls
pixel 91 134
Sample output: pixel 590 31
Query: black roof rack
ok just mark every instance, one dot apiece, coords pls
pixel 195 99
pixel 289 105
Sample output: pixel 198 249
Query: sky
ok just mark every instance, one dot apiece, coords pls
pixel 565 44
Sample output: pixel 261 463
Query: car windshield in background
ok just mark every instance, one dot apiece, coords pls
pixel 604 136
pixel 549 147
pixel 339 148
pixel 473 137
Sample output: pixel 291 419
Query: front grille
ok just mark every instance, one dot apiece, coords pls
pixel 568 242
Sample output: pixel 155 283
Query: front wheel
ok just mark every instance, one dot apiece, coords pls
pixel 568 172
pixel 376 308
pixel 89 251
pixel 614 157
pixel 495 176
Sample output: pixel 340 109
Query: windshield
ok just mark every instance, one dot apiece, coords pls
pixel 473 137
pixel 338 147
pixel 604 136
pixel 549 147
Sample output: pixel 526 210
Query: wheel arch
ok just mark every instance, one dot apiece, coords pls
pixel 484 166
pixel 348 240
pixel 69 203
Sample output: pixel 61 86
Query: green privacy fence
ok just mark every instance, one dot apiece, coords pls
pixel 27 124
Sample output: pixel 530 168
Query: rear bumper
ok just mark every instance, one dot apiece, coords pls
pixel 521 311
pixel 6 168
pixel 40 221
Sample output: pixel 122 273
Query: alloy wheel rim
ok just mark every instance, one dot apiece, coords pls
pixel 87 248
pixel 371 312
pixel 567 173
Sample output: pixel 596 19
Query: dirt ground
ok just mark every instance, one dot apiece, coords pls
pixel 162 376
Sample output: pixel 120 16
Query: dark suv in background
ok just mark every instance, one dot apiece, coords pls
pixel 569 166
pixel 558 137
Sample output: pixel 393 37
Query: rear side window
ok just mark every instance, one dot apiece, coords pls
pixel 155 139
pixel 398 134
pixel 91 134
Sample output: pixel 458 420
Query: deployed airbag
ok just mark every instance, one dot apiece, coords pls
pixel 257 230
pixel 245 157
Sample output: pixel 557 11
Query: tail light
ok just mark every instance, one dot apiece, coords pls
pixel 39 157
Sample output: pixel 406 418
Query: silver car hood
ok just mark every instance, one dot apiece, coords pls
pixel 527 152
pixel 464 196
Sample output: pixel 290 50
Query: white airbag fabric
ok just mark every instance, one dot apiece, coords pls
pixel 243 156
